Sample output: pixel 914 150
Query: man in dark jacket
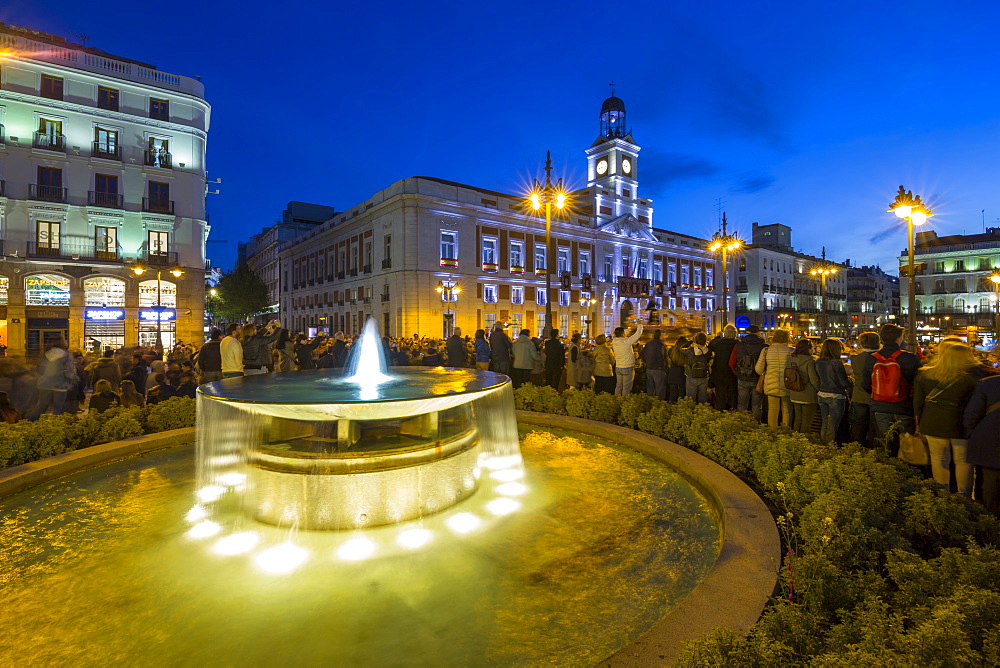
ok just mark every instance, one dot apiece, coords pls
pixel 455 347
pixel 886 413
pixel 502 350
pixel 209 358
pixel 742 361
pixel 337 353
pixel 721 376
pixel 105 369
pixel 137 374
pixel 982 428
pixel 555 359
pixel 653 361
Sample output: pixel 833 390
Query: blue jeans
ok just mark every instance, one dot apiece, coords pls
pixel 697 389
pixel 656 383
pixel 749 399
pixel 831 409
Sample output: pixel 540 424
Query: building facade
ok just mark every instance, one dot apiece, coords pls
pixel 954 292
pixel 872 298
pixel 102 198
pixel 426 255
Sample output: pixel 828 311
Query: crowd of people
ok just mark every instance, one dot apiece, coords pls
pixel 948 391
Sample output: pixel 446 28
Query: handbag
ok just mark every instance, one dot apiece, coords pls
pixel 913 449
pixel 760 380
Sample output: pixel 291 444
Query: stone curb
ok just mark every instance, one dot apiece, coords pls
pixel 25 476
pixel 739 584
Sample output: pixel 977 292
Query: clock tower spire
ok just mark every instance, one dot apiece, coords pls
pixel 612 168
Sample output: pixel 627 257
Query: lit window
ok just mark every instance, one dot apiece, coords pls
pixel 449 245
pixel 517 294
pixel 540 296
pixel 489 251
pixel 564 325
pixel 657 272
pixel 584 262
pixel 563 260
pixel 517 254
pixel 159 109
pixel 564 298
pixel 490 294
pixel 540 258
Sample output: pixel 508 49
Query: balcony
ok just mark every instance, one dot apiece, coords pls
pixel 449 263
pixel 107 200
pixel 154 158
pixel 46 193
pixel 516 269
pixel 340 302
pixel 106 150
pixel 490 267
pixel 340 275
pixel 49 142
pixel 387 264
pixel 158 258
pixel 354 272
pixel 158 205
pixel 74 251
pixel 367 269
pixel 384 298
pixel 366 300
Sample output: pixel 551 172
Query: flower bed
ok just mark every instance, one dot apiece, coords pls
pixel 881 567
pixel 54 434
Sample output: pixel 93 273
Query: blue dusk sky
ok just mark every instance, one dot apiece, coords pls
pixel 803 113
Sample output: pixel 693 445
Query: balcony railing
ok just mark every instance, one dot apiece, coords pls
pixel 49 142
pixel 366 300
pixel 160 159
pixel 367 269
pixel 340 274
pixel 74 251
pixel 158 205
pixel 516 269
pixel 354 271
pixel 384 298
pixel 46 193
pixel 387 264
pixel 340 302
pixel 158 258
pixel 107 200
pixel 106 150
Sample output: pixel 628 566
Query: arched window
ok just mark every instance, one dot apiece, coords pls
pixel 959 304
pixel 46 290
pixel 167 294
pixel 104 291
pixel 919 307
pixel 938 304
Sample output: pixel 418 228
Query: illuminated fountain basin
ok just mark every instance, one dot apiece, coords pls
pixel 319 450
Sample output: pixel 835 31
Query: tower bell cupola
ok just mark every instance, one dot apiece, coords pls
pixel 613 117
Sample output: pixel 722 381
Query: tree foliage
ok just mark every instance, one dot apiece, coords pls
pixel 242 293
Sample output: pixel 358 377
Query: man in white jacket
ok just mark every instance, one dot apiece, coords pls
pixel 621 346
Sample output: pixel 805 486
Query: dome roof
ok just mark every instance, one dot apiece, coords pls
pixel 613 104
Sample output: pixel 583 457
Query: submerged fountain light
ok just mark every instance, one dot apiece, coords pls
pixel 197 513
pixel 210 493
pixel 282 559
pixel 237 543
pixel 414 538
pixel 204 529
pixel 512 489
pixel 502 506
pixel 356 549
pixel 463 522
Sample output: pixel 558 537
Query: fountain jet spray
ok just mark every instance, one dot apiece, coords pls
pixel 367 367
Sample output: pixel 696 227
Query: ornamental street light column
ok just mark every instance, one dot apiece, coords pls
pixel 823 269
pixel 139 269
pixel 449 292
pixel 725 243
pixel 995 277
pixel 546 196
pixel 913 210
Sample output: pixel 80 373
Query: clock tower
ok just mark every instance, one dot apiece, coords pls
pixel 612 167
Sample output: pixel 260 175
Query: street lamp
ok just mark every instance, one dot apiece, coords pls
pixel 175 270
pixel 995 277
pixel 587 304
pixel 913 210
pixel 547 196
pixel 823 269
pixel 449 292
pixel 725 243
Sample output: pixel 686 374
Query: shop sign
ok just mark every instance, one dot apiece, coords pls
pixel 41 313
pixel 152 314
pixel 104 314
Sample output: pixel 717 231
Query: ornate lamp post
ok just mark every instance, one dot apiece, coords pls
pixel 725 243
pixel 139 269
pixel 995 277
pixel 823 269
pixel 913 210
pixel 449 292
pixel 547 196
pixel 587 304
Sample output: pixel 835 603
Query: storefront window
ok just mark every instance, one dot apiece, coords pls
pixel 148 294
pixel 104 292
pixel 4 284
pixel 46 290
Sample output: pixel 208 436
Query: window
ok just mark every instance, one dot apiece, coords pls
pixel 517 254
pixel 985 264
pixel 959 265
pixel 939 266
pixel 516 323
pixel 49 135
pixel 106 242
pixel 685 303
pixel 4 288
pixel 959 304
pixel 158 153
pixel 489 252
pixel 540 258
pixel 159 197
pixel 103 292
pixel 107 98
pixel 608 268
pixel 743 264
pixel 369 256
pixel 387 253
pixel 562 261
pixel 517 294
pixel 564 325
pixel 105 191
pixel 626 264
pixel 449 245
pixel 709 278
pixel 52 87
pixel 643 268
pixel 607 324
pixel 564 298
pixel 47 237
pixel 672 274
pixel 984 303
pixel 540 296
pixel 489 319
pixel 157 243
pixel 657 272
pixel 155 292
pixel 697 303
pixel 672 301
pixel 685 275
pixel 959 285
pixel 490 294
pixel 540 321
pixel 697 276
pixel 50 184
pixel 584 262
pixel 159 109
pixel 106 143
pixel 46 290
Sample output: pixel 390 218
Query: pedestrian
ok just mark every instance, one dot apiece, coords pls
pixel 103 397
pixel 771 365
pixel 573 352
pixel 209 359
pixel 433 357
pixel 105 369
pixel 303 348
pixel 8 413
pixel 743 362
pixel 161 391
pixel 860 400
pixel 129 396
pixel 187 387
pixel 801 367
pixel 256 348
pixel 231 352
pixel 555 359
pixel 888 376
pixel 834 387
pixel 940 395
pixel 584 369
pixel 537 377
pixel 56 376
pixel 982 429
pixel 604 366
pixel 524 358
pixel 455 347
pixel 621 346
pixel 654 359
pixel 482 348
pixel 501 350
pixel 138 371
pixel 676 380
pixel 697 363
pixel 721 376
pixel 284 352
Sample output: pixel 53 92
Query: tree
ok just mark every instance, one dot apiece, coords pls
pixel 241 294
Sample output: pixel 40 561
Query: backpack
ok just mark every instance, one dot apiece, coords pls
pixel 888 384
pixel 745 367
pixel 698 367
pixel 793 379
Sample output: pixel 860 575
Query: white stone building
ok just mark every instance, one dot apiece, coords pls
pixel 102 169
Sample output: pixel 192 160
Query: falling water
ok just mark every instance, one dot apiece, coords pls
pixel 366 366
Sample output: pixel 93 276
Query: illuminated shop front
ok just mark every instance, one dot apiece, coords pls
pixel 48 322
pixel 4 340
pixel 104 315
pixel 157 312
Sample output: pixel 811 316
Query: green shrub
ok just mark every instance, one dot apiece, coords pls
pixel 632 407
pixel 174 413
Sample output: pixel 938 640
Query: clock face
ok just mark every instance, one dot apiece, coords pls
pixel 627 166
pixel 602 166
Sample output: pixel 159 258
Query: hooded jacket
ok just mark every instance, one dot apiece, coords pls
pixel 57 371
